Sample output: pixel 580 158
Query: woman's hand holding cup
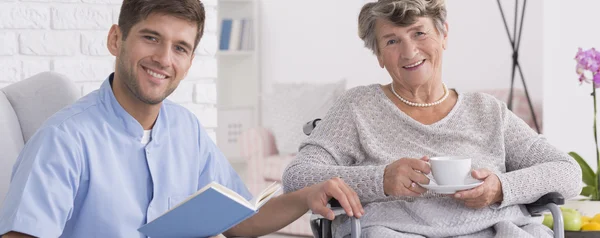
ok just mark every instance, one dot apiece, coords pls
pixel 488 193
pixel 403 176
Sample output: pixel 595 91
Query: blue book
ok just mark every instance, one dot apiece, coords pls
pixel 209 212
pixel 225 34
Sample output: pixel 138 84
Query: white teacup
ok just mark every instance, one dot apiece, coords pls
pixel 451 170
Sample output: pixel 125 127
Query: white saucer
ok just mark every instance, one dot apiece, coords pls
pixel 450 189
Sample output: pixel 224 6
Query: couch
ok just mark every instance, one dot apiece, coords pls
pixel 24 106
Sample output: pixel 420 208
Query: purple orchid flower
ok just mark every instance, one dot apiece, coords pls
pixel 588 66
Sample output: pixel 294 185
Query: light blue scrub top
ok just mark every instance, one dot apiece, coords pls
pixel 85 172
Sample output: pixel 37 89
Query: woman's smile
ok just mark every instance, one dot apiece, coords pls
pixel 414 66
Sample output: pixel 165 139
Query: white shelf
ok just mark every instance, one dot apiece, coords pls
pixel 238 81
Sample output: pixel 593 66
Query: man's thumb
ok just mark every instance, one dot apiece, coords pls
pixel 325 212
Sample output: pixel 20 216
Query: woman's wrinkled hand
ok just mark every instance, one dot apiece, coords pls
pixel 486 194
pixel 403 176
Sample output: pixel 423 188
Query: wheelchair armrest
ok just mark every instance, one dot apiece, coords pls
pixel 536 208
pixel 321 226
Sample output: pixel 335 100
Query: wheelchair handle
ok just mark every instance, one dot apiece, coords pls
pixel 310 126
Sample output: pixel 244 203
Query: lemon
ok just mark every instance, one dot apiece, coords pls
pixel 584 223
pixel 596 218
pixel 592 226
pixel 585 219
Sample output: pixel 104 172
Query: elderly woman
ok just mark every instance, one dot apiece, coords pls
pixel 378 139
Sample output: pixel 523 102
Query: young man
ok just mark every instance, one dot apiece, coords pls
pixel 122 155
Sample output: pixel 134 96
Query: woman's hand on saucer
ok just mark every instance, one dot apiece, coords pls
pixel 488 193
pixel 403 176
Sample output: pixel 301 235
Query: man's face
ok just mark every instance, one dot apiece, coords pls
pixel 156 56
pixel 412 55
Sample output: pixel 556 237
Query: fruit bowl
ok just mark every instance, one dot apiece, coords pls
pixel 576 225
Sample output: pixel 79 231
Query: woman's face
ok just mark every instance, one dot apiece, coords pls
pixel 412 55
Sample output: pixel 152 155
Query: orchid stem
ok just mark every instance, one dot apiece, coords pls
pixel 597 195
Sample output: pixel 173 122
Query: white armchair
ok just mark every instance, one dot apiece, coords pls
pixel 24 106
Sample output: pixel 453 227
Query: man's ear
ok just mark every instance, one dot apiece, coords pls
pixel 114 40
pixel 191 63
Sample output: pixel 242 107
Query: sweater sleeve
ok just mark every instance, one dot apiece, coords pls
pixel 334 150
pixel 533 166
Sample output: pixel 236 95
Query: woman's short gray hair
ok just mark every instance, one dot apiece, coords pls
pixel 400 12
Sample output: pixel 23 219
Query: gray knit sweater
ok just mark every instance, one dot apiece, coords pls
pixel 364 131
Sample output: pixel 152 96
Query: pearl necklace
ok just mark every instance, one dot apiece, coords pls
pixel 415 104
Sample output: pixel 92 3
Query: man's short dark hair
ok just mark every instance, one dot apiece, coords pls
pixel 134 11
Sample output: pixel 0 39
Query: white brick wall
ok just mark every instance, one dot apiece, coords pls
pixel 69 37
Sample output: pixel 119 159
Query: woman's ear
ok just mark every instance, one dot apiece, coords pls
pixel 380 60
pixel 114 40
pixel 445 39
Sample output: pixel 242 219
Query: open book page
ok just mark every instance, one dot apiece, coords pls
pixel 231 194
pixel 222 189
pixel 265 195
pixel 254 204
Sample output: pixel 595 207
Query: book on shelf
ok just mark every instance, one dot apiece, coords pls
pixel 210 211
pixel 236 35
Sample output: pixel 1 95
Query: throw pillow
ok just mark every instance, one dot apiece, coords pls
pixel 290 105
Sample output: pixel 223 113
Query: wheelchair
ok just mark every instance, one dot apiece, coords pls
pixel 321 227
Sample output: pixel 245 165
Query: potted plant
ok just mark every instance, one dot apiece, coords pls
pixel 588 69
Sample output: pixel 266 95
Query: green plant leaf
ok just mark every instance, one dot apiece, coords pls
pixel 589 177
pixel 588 191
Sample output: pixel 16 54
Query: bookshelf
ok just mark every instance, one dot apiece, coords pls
pixel 238 75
